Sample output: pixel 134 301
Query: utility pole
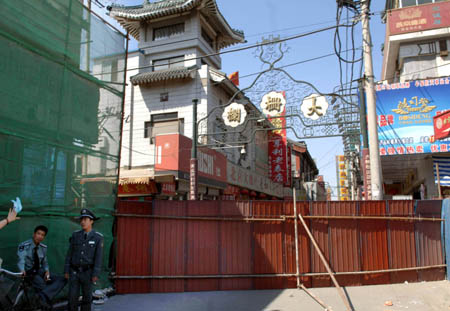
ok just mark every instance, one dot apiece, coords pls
pixel 375 160
pixel 193 190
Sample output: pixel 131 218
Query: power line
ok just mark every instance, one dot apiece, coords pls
pixel 291 28
pixel 292 64
pixel 275 41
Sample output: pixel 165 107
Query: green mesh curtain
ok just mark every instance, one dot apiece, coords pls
pixel 62 84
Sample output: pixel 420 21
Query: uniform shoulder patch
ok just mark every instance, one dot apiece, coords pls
pixel 24 245
pixel 99 233
pixel 43 245
pixel 27 242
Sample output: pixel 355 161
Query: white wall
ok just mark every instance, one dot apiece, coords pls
pixel 145 101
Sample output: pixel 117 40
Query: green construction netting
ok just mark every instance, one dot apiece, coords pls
pixel 61 91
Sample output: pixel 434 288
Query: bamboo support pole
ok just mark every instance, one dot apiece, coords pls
pixel 375 271
pixel 282 218
pixel 231 276
pixel 246 219
pixel 297 265
pixel 400 218
pixel 320 302
pixel 325 263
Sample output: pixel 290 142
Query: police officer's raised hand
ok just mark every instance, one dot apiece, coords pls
pixel 94 279
pixel 24 273
pixel 66 275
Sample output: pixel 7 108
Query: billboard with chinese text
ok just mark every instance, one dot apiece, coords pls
pixel 419 18
pixel 341 170
pixel 277 145
pixel 405 116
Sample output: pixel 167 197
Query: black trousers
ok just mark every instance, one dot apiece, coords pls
pixel 79 280
pixel 50 288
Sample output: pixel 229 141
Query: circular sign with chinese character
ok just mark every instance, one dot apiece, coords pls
pixel 314 106
pixel 234 115
pixel 273 104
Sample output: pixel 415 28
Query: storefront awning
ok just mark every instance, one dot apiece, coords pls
pixel 137 190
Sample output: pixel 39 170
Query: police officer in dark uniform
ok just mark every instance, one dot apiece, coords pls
pixel 33 264
pixel 83 261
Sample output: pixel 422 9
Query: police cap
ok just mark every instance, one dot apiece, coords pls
pixel 87 213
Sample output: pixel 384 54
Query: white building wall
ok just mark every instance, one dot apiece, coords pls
pixel 443 64
pixel 145 101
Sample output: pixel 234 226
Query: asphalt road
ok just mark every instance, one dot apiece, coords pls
pixel 425 296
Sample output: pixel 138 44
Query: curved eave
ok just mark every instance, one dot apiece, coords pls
pixel 132 26
pixel 131 17
pixel 231 36
pixel 146 78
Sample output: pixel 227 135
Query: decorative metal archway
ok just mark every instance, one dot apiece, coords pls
pixel 341 120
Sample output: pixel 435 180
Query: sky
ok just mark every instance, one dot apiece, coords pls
pixel 263 18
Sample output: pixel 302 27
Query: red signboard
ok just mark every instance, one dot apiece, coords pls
pixel 277 146
pixel 419 18
pixel 173 153
pixel 137 189
pixel 168 188
pixel 441 124
pixel 231 190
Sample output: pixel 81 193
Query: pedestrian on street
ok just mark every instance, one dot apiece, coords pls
pixel 33 264
pixel 83 261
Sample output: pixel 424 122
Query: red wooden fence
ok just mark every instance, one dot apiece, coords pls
pixel 176 246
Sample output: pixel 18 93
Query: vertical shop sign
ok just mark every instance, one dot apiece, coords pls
pixel 273 105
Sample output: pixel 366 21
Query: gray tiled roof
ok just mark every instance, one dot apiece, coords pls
pixel 154 9
pixel 130 16
pixel 161 75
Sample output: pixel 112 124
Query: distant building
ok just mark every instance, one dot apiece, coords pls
pixel 414 82
pixel 305 173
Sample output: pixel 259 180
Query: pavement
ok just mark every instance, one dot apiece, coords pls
pixel 424 296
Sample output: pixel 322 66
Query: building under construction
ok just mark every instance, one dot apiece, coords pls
pixel 60 121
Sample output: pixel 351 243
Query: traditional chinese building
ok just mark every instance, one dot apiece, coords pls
pixel 170 70
pixel 414 83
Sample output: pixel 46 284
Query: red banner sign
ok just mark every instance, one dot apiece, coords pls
pixel 137 189
pixel 441 124
pixel 168 188
pixel 419 18
pixel 277 146
pixel 231 190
